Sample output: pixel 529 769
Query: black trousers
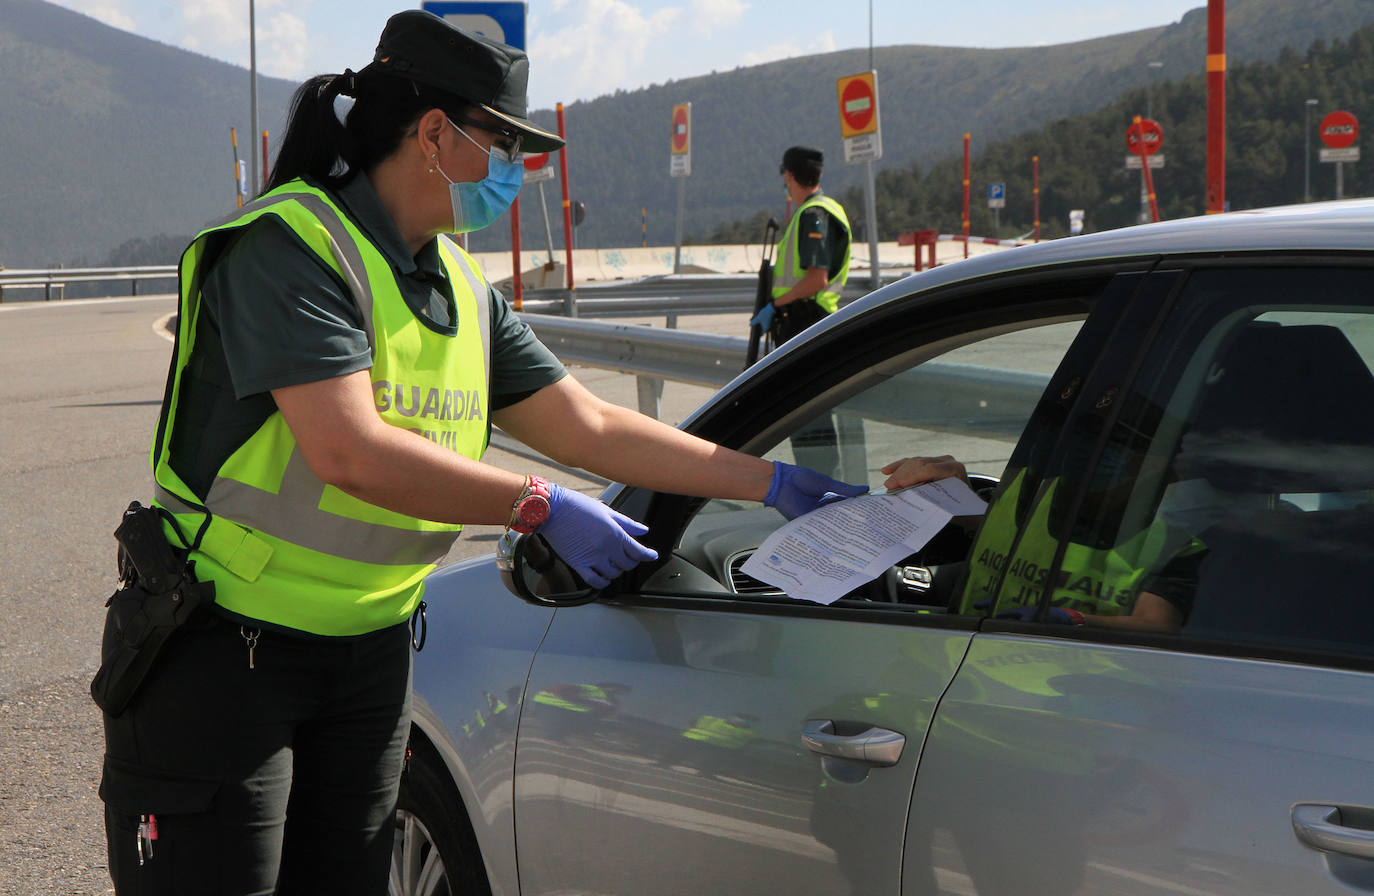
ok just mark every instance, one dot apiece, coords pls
pixel 278 779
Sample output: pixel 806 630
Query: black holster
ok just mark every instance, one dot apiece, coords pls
pixel 794 317
pixel 158 595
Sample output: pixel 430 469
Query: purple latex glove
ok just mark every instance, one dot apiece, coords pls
pixel 795 491
pixel 592 538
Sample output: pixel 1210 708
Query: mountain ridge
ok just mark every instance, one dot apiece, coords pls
pixel 112 138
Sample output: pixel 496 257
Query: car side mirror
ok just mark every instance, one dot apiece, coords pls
pixel 535 574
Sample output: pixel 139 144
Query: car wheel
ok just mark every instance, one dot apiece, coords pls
pixel 434 852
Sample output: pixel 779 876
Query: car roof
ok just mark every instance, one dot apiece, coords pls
pixel 1346 226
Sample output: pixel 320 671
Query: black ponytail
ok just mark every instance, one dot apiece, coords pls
pixel 317 145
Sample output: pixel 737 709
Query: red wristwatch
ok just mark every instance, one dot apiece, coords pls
pixel 531 509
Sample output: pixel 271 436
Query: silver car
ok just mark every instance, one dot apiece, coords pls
pixel 1147 669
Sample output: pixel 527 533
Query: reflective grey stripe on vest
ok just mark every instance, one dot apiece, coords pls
pixel 306 525
pixel 482 292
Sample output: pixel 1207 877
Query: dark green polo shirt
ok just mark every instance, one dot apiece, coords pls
pixel 822 241
pixel 275 315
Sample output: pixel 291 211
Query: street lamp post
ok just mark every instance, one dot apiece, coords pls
pixel 1307 150
pixel 254 186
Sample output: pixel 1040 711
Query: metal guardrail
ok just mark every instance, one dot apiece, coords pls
pixel 936 395
pixel 666 295
pixel 53 281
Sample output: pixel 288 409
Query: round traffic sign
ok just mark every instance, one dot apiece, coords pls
pixel 1153 133
pixel 1340 129
pixel 679 129
pixel 857 104
pixel 535 161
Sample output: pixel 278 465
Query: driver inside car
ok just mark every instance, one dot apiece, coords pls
pixel 1145 584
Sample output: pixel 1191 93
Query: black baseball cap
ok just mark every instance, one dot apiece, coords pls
pixel 419 45
pixel 803 162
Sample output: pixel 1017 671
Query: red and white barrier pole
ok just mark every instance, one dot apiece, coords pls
pixel 1216 106
pixel 1035 191
pixel 966 195
pixel 567 202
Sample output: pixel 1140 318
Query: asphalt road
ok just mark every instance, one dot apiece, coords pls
pixel 80 385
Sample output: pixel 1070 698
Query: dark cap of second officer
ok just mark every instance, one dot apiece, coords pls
pixel 419 45
pixel 804 164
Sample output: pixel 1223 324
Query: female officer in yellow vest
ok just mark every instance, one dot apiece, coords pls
pixel 335 373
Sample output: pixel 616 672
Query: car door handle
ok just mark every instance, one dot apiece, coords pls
pixel 875 746
pixel 1320 827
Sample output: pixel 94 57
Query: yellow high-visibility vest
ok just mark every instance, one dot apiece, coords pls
pixel 787 269
pixel 280 545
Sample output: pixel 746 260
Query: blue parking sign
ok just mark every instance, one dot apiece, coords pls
pixel 997 195
pixel 501 20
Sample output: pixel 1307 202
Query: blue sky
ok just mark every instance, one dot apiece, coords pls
pixel 581 49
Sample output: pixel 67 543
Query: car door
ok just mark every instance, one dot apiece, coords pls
pixel 698 731
pixel 1225 744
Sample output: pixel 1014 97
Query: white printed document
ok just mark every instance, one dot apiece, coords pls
pixel 829 552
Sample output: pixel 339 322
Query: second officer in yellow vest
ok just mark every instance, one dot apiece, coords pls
pixel 812 262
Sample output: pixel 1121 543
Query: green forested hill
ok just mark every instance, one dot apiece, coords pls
pixel 928 97
pixel 117 148
pixel 1082 157
pixel 108 137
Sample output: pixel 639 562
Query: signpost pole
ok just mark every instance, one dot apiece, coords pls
pixel 680 167
pixel 548 231
pixel 871 217
pixel 1035 191
pixel 677 239
pixel 1307 149
pixel 1139 126
pixel 517 285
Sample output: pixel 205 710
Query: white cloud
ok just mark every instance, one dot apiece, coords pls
pixel 219 28
pixel 705 17
pixel 596 47
pixel 111 12
pixel 216 28
pixel 284 46
pixel 825 43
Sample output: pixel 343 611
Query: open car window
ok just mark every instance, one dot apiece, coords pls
pixel 972 401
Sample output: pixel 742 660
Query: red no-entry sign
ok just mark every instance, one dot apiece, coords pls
pixel 1340 129
pixel 536 161
pixel 1153 134
pixel 682 117
pixel 858 105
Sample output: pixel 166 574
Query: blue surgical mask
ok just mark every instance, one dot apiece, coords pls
pixel 475 206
